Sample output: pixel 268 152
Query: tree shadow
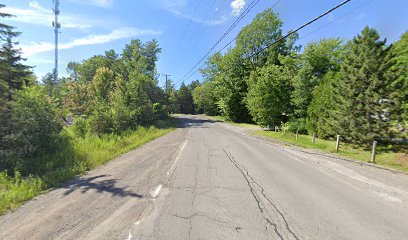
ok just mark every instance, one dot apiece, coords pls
pixel 108 186
pixel 186 122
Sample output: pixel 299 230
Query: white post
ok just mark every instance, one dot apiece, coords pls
pixel 374 152
pixel 338 143
pixel 314 138
pixel 297 135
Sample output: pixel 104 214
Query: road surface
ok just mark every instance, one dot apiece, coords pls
pixel 211 180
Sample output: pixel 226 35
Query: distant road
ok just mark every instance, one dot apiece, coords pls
pixel 211 180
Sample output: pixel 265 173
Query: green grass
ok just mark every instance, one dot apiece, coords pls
pixel 79 156
pixel 386 156
pixel 223 119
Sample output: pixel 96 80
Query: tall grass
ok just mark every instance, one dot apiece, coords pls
pixel 77 156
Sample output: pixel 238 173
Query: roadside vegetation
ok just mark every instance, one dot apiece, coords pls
pixel 78 156
pixel 389 156
pixel 355 88
pixel 55 128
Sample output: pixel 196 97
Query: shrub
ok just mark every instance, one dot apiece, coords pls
pixel 80 127
pixel 34 128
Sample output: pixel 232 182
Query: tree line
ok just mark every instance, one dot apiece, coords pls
pixel 356 88
pixel 112 93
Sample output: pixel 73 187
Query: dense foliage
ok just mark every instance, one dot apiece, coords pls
pixel 105 94
pixel 357 89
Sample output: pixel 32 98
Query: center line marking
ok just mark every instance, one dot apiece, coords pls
pixel 178 155
pixel 130 236
pixel 157 191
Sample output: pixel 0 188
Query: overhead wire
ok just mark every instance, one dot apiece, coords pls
pixel 291 32
pixel 234 24
pixel 185 30
pixel 228 44
pixel 195 33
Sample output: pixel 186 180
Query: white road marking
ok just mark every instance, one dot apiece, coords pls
pixel 157 191
pixel 130 236
pixel 179 154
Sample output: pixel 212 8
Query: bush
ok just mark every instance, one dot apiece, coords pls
pixel 33 129
pixel 80 127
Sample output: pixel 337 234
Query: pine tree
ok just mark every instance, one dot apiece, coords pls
pixel 400 85
pixel 14 73
pixel 362 93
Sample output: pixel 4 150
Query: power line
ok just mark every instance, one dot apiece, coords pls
pixel 290 33
pixel 337 18
pixel 229 43
pixel 303 26
pixel 198 28
pixel 241 16
pixel 185 30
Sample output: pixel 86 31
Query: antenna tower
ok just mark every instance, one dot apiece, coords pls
pixel 56 26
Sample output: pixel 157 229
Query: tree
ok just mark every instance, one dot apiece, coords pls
pixel 400 85
pixel 205 99
pixel 362 92
pixel 317 59
pixel 321 107
pixel 185 100
pixel 34 129
pixel 102 84
pixel 13 73
pixel 231 71
pixel 269 95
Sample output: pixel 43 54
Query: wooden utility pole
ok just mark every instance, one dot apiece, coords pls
pixel 167 84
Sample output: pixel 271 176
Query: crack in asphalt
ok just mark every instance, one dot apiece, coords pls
pixel 250 179
pixel 194 195
pixel 201 214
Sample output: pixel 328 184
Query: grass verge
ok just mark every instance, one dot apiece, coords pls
pixel 387 156
pixel 79 156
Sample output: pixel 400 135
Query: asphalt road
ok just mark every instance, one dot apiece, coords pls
pixel 211 180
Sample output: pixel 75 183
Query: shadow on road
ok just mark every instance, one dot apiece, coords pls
pixel 108 185
pixel 191 121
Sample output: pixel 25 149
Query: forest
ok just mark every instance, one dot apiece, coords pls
pixel 52 129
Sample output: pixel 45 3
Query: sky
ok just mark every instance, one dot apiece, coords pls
pixel 185 29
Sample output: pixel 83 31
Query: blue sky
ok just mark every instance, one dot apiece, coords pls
pixel 90 27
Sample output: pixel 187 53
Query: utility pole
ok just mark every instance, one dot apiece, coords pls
pixel 167 84
pixel 56 26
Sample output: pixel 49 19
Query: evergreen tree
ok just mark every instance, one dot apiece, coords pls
pixel 185 99
pixel 400 86
pixel 362 93
pixel 321 107
pixel 12 71
pixel 317 59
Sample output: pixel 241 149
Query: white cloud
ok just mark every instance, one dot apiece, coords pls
pixel 237 6
pixel 39 15
pixel 122 33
